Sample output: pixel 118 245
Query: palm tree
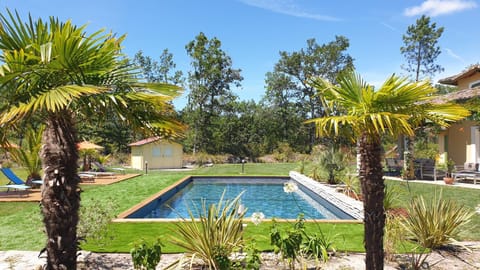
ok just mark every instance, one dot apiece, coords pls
pixel 395 108
pixel 27 154
pixel 59 73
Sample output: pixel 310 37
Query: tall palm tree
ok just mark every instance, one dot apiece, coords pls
pixel 395 108
pixel 59 73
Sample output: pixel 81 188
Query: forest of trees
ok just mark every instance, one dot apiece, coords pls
pixel 219 122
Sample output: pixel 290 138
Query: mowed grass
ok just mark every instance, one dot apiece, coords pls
pixel 348 237
pixel 22 228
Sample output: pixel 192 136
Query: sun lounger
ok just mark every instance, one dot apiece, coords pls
pixel 19 189
pixel 86 177
pixel 15 183
pixel 99 174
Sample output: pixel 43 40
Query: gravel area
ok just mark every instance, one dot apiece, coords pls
pixel 458 258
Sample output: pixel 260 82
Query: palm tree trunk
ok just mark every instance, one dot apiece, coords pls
pixel 371 177
pixel 60 193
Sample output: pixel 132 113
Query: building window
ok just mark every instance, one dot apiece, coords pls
pixel 475 84
pixel 168 151
pixel 156 151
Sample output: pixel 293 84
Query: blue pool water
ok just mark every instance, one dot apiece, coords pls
pixel 260 195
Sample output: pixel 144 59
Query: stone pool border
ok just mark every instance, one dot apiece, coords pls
pixel 344 203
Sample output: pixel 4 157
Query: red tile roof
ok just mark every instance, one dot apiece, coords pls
pixel 145 141
pixel 457 95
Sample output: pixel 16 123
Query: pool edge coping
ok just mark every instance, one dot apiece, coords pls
pixel 343 202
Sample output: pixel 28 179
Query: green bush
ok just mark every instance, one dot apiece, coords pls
pixel 426 149
pixel 394 236
pixel 288 243
pixel 95 215
pixel 294 242
pixel 328 163
pixel 351 185
pixel 145 256
pixel 318 245
pixel 435 223
pixel 216 235
pixel 253 259
pixel 284 153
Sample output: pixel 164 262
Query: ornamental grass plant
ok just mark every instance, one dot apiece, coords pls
pixel 436 222
pixel 217 234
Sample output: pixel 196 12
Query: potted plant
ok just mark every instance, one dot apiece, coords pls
pixel 449 166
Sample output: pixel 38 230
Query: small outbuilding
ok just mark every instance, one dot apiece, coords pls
pixel 156 153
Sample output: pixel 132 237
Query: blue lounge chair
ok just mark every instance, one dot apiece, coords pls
pixel 15 182
pixel 14 179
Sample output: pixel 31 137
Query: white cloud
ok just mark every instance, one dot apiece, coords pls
pixel 287 7
pixel 439 7
pixel 454 55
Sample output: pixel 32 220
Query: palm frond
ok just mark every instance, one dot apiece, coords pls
pixel 53 101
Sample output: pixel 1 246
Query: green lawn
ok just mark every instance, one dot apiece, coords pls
pixel 22 227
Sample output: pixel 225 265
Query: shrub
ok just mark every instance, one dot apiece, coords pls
pixel 330 163
pixel 425 149
pixel 288 243
pixel 351 185
pixel 394 235
pixel 145 256
pixel 318 245
pixel 284 153
pixel 253 259
pixel 293 242
pixel 217 233
pixel 95 215
pixel 436 222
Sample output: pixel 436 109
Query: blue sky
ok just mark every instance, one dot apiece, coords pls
pixel 253 32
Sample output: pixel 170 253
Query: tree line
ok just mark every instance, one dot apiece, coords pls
pixel 220 123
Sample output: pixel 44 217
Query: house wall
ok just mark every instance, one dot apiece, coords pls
pixel 159 155
pixel 465 83
pixel 457 142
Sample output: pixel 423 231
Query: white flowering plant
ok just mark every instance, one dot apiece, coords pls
pixel 290 187
pixel 257 217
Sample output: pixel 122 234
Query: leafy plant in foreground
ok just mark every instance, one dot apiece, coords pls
pixel 288 243
pixel 217 233
pixel 436 222
pixel 253 259
pixel 394 235
pixel 146 256
pixel 318 245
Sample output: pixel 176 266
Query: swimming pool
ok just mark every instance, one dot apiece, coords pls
pixel 261 194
